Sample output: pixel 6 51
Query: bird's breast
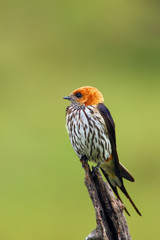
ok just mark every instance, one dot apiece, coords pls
pixel 88 133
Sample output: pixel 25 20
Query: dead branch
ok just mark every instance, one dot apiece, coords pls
pixel 110 219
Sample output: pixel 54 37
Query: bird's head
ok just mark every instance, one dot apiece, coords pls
pixel 85 96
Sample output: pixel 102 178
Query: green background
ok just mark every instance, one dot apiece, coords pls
pixel 48 49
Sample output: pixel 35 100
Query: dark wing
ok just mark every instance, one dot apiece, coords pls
pixel 112 136
pixel 108 121
pixel 121 170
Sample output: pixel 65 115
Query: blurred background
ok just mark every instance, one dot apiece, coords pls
pixel 48 49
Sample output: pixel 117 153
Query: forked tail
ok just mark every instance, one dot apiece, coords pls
pixel 114 188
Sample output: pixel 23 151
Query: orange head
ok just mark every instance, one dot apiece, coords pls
pixel 86 95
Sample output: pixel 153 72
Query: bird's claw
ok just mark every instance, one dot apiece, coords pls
pixel 94 169
pixel 84 161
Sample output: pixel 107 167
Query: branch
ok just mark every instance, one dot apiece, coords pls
pixel 111 221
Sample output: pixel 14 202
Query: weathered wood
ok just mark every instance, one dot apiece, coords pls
pixel 110 219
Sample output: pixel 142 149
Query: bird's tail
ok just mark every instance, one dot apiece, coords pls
pixel 121 186
pixel 127 195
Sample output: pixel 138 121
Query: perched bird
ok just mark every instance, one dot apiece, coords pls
pixel 92 134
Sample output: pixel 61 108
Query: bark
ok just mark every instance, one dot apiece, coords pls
pixel 110 219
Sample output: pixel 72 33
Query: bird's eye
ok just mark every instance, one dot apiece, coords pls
pixel 78 95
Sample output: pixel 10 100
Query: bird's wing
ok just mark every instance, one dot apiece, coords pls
pixel 121 170
pixel 112 136
pixel 108 121
pixel 125 173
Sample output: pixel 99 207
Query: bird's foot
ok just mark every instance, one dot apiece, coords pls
pixel 94 169
pixel 84 160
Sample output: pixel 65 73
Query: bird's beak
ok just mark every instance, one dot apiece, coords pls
pixel 67 98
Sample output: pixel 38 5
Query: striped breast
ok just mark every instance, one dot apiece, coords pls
pixel 88 133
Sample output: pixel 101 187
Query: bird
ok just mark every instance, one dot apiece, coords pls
pixel 92 134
